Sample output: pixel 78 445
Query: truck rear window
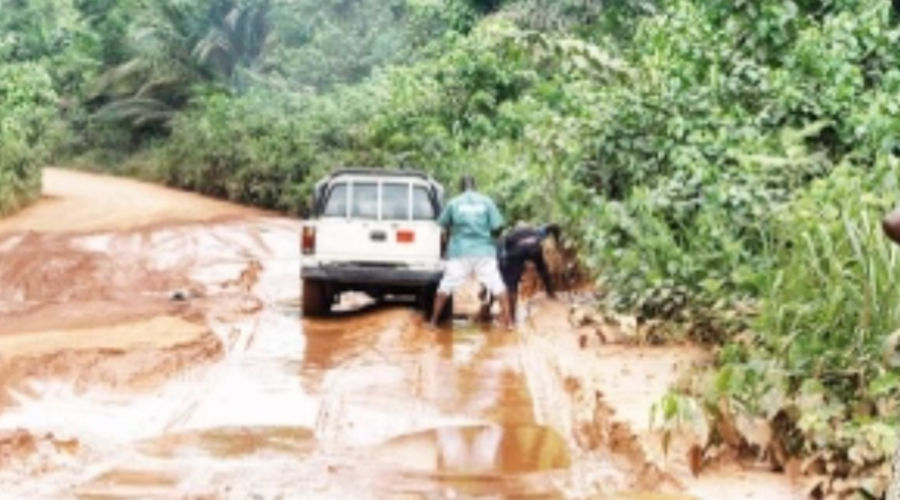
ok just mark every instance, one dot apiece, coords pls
pixel 365 200
pixel 337 201
pixel 395 201
pixel 423 208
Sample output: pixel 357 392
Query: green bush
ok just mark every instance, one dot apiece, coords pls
pixel 248 149
pixel 834 297
pixel 267 148
pixel 818 370
pixel 27 111
pixel 710 128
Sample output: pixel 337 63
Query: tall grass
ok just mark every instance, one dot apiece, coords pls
pixel 835 297
pixel 814 370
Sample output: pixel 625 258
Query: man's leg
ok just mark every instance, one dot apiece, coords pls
pixel 512 274
pixel 543 272
pixel 486 300
pixel 513 294
pixel 505 317
pixel 440 302
pixel 487 297
pixel 488 273
pixel 455 273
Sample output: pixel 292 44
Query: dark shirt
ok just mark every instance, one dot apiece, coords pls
pixel 518 247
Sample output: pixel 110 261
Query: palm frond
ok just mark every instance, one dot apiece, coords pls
pixel 139 111
pixel 216 44
pixel 178 47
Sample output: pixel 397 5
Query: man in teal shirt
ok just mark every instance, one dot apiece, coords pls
pixel 472 219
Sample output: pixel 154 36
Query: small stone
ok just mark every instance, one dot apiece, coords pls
pixel 578 317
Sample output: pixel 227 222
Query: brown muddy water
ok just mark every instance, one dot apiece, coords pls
pixel 114 387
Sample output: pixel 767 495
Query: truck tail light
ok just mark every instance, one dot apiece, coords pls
pixel 308 240
pixel 406 236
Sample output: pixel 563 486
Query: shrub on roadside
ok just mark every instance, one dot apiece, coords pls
pixel 817 375
pixel 27 135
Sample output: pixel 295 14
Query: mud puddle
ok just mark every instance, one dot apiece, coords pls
pixel 284 408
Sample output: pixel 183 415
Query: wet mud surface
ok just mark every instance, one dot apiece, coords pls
pixel 164 356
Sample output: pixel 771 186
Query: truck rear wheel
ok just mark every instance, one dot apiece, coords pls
pixel 315 299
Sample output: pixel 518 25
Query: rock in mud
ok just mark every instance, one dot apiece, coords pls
pixel 14 445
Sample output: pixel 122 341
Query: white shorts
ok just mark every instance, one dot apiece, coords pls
pixel 485 269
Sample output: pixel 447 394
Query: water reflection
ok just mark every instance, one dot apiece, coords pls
pixel 388 363
pixel 477 450
pixel 232 442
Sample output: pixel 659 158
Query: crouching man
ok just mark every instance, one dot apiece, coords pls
pixel 472 220
pixel 521 245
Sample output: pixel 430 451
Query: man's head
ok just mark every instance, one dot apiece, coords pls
pixel 467 183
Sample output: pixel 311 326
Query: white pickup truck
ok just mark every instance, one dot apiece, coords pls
pixel 373 231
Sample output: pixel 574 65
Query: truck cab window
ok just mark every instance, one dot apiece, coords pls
pixel 337 201
pixel 364 204
pixel 423 208
pixel 395 201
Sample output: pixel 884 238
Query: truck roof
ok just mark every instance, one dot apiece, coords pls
pixel 381 172
pixel 374 172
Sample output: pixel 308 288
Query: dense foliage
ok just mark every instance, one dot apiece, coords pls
pixel 27 107
pixel 721 165
pixel 46 55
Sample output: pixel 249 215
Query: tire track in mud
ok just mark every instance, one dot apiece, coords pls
pixel 109 286
pixel 607 456
pixel 43 276
pixel 117 277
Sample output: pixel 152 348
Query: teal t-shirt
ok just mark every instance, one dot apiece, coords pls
pixel 471 217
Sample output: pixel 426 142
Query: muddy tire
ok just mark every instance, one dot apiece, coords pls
pixel 426 303
pixel 315 299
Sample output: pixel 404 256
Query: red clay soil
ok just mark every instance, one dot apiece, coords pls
pixel 78 203
pixel 82 295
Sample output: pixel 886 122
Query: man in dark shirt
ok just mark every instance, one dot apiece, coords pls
pixel 521 245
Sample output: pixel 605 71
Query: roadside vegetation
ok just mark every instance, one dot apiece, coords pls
pixel 720 166
pixel 29 121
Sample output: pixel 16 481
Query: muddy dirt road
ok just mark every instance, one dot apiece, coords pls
pixel 151 346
